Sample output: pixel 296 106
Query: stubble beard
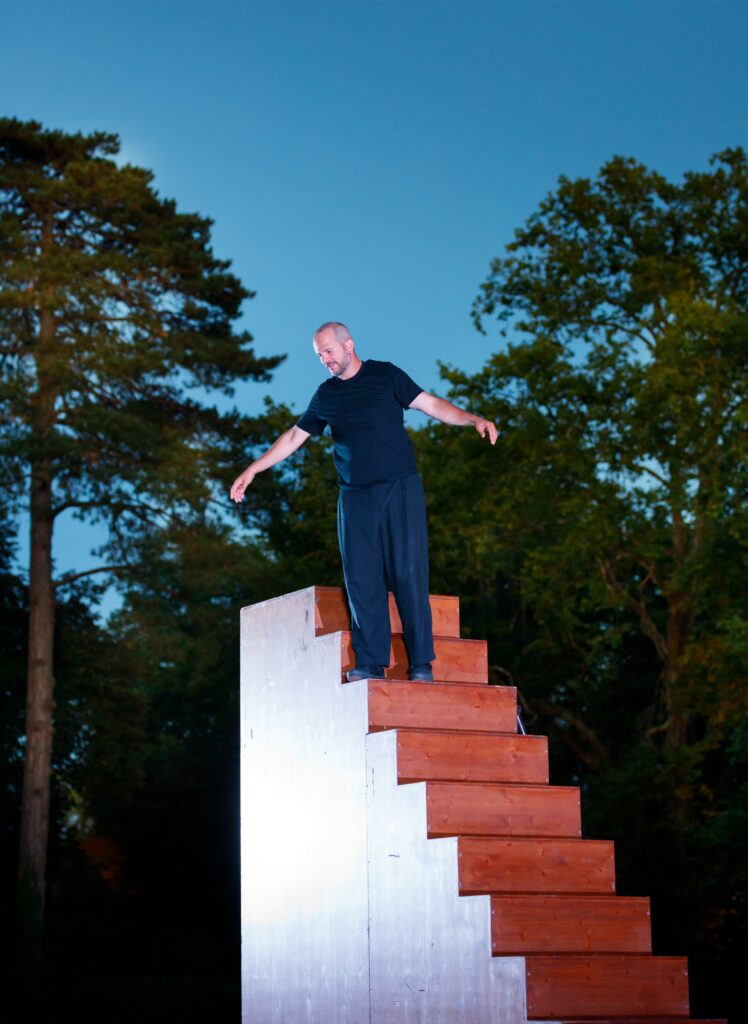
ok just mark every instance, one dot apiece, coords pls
pixel 342 365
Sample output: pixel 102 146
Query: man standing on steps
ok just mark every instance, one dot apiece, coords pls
pixel 381 506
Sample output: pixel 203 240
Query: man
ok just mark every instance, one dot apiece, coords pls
pixel 381 506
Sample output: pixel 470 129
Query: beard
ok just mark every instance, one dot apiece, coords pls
pixel 340 365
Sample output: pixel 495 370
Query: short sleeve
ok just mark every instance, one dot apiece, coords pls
pixel 311 421
pixel 406 389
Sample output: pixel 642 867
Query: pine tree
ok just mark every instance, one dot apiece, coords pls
pixel 113 307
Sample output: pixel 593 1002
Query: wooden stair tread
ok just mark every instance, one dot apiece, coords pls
pixel 470 757
pixel 399 703
pixel 613 985
pixel 523 924
pixel 332 614
pixel 457 660
pixel 502 809
pixel 535 866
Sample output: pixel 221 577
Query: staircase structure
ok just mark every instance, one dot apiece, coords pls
pixel 404 858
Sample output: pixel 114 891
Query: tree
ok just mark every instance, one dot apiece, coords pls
pixel 604 549
pixel 113 308
pixel 635 291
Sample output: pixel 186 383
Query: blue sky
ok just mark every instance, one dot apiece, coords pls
pixel 365 161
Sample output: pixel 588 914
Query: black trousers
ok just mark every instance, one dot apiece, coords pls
pixel 384 545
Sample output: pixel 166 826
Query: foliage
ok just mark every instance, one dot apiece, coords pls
pixel 600 547
pixel 605 542
pixel 113 309
pixel 145 784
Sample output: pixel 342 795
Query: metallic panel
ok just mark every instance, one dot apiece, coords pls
pixel 303 822
pixel 350 915
pixel 430 947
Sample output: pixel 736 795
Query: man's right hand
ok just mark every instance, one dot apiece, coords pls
pixel 241 483
pixel 279 450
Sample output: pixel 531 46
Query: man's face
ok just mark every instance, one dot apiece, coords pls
pixel 335 355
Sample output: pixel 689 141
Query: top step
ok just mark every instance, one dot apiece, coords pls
pixel 332 615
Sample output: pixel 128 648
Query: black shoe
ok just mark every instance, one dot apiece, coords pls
pixel 421 672
pixel 365 672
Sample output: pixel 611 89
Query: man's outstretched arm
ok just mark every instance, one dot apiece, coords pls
pixel 444 411
pixel 286 444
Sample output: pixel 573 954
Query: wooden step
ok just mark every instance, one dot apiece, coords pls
pixel 332 614
pixel 461 661
pixel 536 866
pixel 640 1020
pixel 471 757
pixel 490 808
pixel 569 924
pixel 611 986
pixel 396 703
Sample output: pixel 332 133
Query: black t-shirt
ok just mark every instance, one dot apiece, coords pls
pixel 365 416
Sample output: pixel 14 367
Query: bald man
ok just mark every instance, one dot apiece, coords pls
pixel 381 507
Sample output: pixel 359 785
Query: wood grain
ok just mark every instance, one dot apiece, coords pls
pixel 496 865
pixel 461 661
pixel 569 924
pixel 394 703
pixel 606 986
pixel 332 615
pixel 471 757
pixel 482 808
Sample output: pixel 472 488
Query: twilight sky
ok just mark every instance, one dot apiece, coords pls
pixel 364 161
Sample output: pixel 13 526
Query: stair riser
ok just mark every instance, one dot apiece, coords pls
pixel 566 924
pixel 571 986
pixel 538 866
pixel 638 1020
pixel 422 756
pixel 493 809
pixel 441 706
pixel 332 615
pixel 457 661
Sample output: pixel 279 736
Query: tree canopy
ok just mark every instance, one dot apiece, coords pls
pixel 601 547
pixel 604 551
pixel 113 310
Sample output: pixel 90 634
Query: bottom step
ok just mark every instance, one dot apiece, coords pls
pixel 569 987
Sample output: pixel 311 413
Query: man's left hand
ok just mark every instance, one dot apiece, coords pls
pixel 487 427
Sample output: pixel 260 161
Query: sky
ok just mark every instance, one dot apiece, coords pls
pixel 365 161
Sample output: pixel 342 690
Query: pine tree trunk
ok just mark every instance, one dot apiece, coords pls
pixel 37 767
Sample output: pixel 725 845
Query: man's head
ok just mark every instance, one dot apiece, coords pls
pixel 335 347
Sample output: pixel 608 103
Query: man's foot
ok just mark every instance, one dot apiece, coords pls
pixel 421 672
pixel 365 672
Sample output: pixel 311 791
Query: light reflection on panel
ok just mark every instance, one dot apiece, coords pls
pixel 350 915
pixel 304 899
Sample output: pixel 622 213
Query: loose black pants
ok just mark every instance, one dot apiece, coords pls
pixel 384 545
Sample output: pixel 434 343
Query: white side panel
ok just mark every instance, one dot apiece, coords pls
pixel 430 953
pixel 303 822
pixel 349 914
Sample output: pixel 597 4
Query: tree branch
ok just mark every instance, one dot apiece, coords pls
pixel 639 608
pixel 118 506
pixel 602 322
pixel 646 469
pixel 591 750
pixel 72 577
